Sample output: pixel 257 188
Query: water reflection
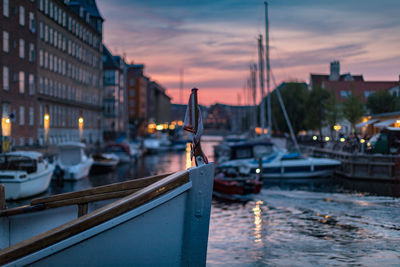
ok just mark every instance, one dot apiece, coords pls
pixel 257 221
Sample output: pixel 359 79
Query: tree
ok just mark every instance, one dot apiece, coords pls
pixel 294 96
pixel 333 111
pixel 353 109
pixel 382 102
pixel 316 108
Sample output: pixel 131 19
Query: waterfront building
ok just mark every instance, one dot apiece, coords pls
pixel 69 45
pixel 137 87
pixel 346 84
pixel 18 70
pixel 162 104
pixel 115 96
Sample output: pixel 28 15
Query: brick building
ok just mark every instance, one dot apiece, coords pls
pixel 345 84
pixel 137 84
pixel 18 64
pixel 51 70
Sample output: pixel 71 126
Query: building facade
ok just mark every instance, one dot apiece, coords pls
pixel 137 86
pixel 346 84
pixel 162 104
pixel 18 70
pixel 114 100
pixel 69 45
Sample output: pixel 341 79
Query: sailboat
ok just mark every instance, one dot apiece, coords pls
pixel 260 159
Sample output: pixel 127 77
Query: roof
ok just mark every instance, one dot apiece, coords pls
pixel 360 86
pixel 109 61
pixel 72 144
pixel 363 124
pixel 89 5
pixel 317 79
pixel 385 123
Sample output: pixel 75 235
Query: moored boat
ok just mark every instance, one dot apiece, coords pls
pixel 271 164
pixel 24 174
pixel 122 151
pixel 235 187
pixel 73 160
pixel 104 162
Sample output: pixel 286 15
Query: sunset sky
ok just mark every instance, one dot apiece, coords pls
pixel 215 41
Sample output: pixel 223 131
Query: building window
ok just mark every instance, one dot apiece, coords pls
pixel 367 93
pixel 131 92
pixel 6 42
pixel 6 8
pixel 31 84
pixel 31 116
pixel 41 85
pixel 46 33
pixel 46 6
pixel 21 82
pixel 55 38
pixel 51 62
pixel 46 60
pixel 41 30
pixel 345 94
pixel 6 80
pixel 21 48
pixel 41 115
pixel 46 86
pixel 31 52
pixel 41 5
pixel 32 26
pixel 21 15
pixel 51 9
pixel 41 58
pixel 131 103
pixel 51 35
pixel 21 115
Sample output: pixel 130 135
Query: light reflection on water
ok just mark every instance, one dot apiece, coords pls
pixel 300 228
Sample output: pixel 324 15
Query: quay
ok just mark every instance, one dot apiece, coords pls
pixel 376 173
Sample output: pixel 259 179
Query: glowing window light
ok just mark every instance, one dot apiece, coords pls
pixel 327 138
pixel 314 138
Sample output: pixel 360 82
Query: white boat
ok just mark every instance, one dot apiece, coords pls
pixel 73 160
pixel 122 150
pixel 104 162
pixel 24 174
pixel 154 221
pixel 276 164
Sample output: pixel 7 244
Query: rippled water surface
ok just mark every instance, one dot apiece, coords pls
pixel 299 226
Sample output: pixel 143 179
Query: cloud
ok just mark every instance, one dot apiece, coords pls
pixel 214 41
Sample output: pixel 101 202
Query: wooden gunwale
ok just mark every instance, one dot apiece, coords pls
pixel 94 218
pixel 99 193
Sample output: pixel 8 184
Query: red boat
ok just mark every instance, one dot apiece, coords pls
pixel 235 186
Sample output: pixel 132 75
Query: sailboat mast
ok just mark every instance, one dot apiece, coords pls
pixel 268 66
pixel 261 75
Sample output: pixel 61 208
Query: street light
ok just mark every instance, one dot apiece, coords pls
pixel 46 128
pixel 80 122
pixel 6 134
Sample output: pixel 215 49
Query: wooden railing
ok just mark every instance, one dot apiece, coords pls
pixel 83 197
pixel 85 222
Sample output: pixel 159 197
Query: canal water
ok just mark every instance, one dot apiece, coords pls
pixel 282 226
